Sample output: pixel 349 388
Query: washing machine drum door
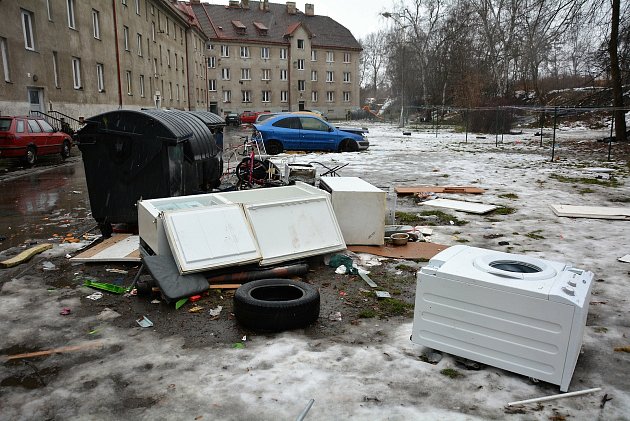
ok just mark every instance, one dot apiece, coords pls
pixel 515 266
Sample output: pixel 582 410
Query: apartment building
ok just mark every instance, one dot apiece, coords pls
pixel 265 56
pixel 86 57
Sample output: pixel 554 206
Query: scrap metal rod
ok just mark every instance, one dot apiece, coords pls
pixel 305 411
pixel 558 396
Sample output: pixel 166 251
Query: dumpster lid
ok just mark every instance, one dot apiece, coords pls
pixel 209 118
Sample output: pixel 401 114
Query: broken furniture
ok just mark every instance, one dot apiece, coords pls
pixel 264 226
pixel 460 205
pixel 359 207
pixel 515 312
pixel 595 212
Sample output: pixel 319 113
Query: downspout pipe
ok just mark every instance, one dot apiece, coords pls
pixel 188 78
pixel 120 102
pixel 289 74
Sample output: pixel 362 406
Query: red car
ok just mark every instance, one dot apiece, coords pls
pixel 249 117
pixel 29 137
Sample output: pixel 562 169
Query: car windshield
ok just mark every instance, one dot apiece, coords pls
pixel 263 117
pixel 47 127
pixel 5 124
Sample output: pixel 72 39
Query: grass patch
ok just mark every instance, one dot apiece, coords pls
pixel 511 196
pixel 586 191
pixel 462 240
pixel 406 268
pixel 600 329
pixel 430 217
pixel 504 210
pixel 535 235
pixel 367 313
pixel 620 200
pixel 585 180
pixel 451 373
pixel 394 307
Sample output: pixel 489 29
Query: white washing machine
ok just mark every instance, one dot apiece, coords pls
pixel 518 313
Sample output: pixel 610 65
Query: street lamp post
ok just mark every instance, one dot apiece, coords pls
pixel 396 17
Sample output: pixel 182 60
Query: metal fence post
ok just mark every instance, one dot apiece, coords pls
pixel 553 144
pixel 612 124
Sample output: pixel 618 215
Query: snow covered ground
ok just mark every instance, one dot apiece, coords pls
pixel 373 372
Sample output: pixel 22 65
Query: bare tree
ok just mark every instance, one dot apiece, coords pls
pixel 615 72
pixel 374 58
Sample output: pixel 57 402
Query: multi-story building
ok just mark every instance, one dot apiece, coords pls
pixel 82 58
pixel 266 56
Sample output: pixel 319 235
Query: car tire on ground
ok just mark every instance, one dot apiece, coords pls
pixel 65 150
pixel 273 147
pixel 276 304
pixel 348 145
pixel 31 155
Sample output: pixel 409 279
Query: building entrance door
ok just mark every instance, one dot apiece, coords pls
pixel 35 99
pixel 214 107
pixel 301 106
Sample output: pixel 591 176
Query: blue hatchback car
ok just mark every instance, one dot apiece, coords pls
pixel 298 132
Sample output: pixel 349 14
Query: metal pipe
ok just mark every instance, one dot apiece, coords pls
pixel 558 396
pixel 305 411
pixel 553 144
pixel 279 272
pixel 117 55
pixel 612 124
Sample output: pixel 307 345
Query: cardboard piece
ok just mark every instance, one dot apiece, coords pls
pixel 117 248
pixel 410 251
pixel 595 212
pixel 406 190
pixel 460 205
pixel 25 255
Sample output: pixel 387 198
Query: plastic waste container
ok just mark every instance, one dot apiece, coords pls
pixel 131 155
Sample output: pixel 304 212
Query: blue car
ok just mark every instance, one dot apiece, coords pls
pixel 297 132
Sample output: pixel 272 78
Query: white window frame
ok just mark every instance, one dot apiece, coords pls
pixel 346 77
pixel 5 59
pixel 27 29
pixel 301 85
pixel 96 26
pixel 100 78
pixel 246 73
pixel 313 75
pixel 141 86
pixel 330 96
pixel 284 96
pixel 168 58
pixel 283 54
pixel 300 44
pixel 300 64
pixel 225 50
pixel 49 10
pixel 264 53
pixel 314 96
pixel 330 76
pixel 126 37
pixel 284 74
pixel 266 96
pixel 346 96
pixel 128 80
pixel 177 92
pixel 76 72
pixel 71 18
pixel 246 96
pixel 212 62
pixel 212 85
pixel 56 69
pixel 225 73
pixel 347 57
pixel 152 31
pixel 139 38
pixel 313 55
pixel 227 96
pixel 138 7
pixel 330 56
pixel 244 51
pixel 266 74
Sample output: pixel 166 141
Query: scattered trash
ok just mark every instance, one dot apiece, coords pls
pixel 215 311
pixel 625 259
pixel 238 345
pixel 504 243
pixel 302 414
pixel 244 338
pixel 598 212
pixel 338 260
pixel 95 296
pixel 76 192
pixel 116 289
pixel 558 396
pixel 342 293
pixel 107 314
pixel 367 279
pixel 335 316
pixel 195 309
pixel 65 311
pixel 121 271
pixel 382 294
pixel 341 270
pixel 622 348
pixel 180 303
pixel 144 322
pixel 605 399
pixel 195 298
pixel 406 133
pixel 460 205
pixel 49 266
pixel 156 301
pixel 62 350
pixel 434 357
pixel 25 255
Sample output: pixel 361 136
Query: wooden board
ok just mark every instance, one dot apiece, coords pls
pixel 410 251
pixel 405 190
pixel 596 212
pixel 25 255
pixel 460 205
pixel 117 248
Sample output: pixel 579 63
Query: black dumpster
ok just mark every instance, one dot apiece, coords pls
pixel 216 125
pixel 131 155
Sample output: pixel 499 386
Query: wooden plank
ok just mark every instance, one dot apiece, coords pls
pixel 117 248
pixel 460 205
pixel 595 212
pixel 406 190
pixel 224 286
pixel 73 348
pixel 411 251
pixel 25 255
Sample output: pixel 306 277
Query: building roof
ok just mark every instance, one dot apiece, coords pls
pixel 216 21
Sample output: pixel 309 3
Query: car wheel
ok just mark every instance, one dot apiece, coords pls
pixel 273 147
pixel 31 155
pixel 276 304
pixel 348 145
pixel 65 150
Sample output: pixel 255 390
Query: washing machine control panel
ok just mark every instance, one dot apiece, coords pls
pixel 573 286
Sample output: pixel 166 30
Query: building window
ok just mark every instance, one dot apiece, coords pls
pixel 330 56
pixel 264 53
pixel 153 31
pixel 225 73
pixel 177 91
pixel 314 75
pixel 266 74
pixel 49 10
pixel 313 55
pixel 346 77
pixel 283 54
pixel 96 27
pixel 5 59
pixel 126 37
pixel 137 7
pixel 225 51
pixel 300 44
pixel 27 29
pixel 266 96
pixel 124 2
pixel 330 76
pixel 128 80
pixel 70 14
pixel 300 64
pixel 56 69
pixel 244 52
pixel 346 96
pixel 284 96
pixel 142 86
pixel 284 74
pixel 100 82
pixel 314 96
pixel 246 96
pixel 168 58
pixel 76 72
pixel 301 85
pixel 346 57
pixel 155 73
pixel 330 96
pixel 245 74
pixel 176 63
pixel 227 96
pixel 212 62
pixel 212 85
pixel 170 91
pixel 139 36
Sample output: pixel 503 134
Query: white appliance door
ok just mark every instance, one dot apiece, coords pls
pixel 294 229
pixel 210 237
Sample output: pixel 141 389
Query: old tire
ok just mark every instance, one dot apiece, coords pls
pixel 276 304
pixel 31 155
pixel 65 150
pixel 348 145
pixel 273 147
